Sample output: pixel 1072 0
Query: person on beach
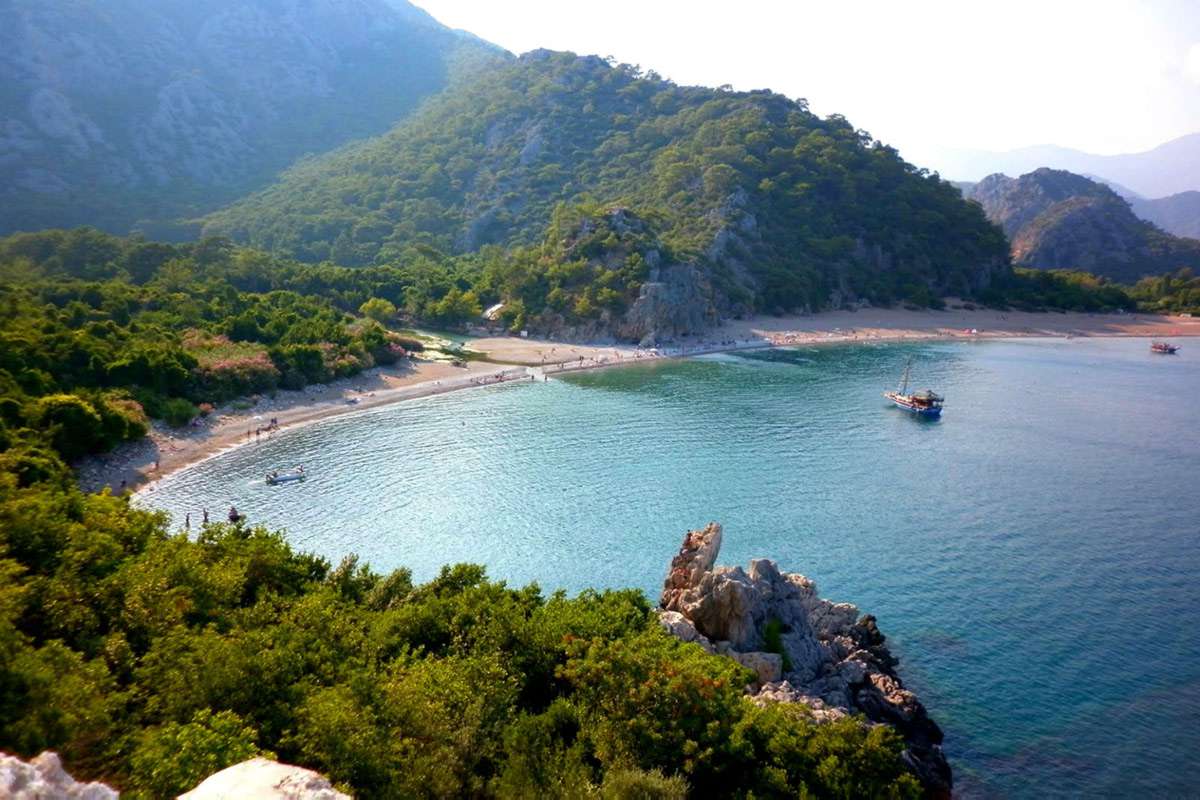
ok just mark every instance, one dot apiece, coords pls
pixel 187 522
pixel 204 518
pixel 234 516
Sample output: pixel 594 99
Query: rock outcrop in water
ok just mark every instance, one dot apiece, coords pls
pixel 828 657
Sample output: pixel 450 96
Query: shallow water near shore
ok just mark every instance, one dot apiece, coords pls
pixel 1032 556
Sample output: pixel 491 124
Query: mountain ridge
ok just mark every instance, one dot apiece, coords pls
pixel 122 113
pixel 1169 168
pixel 1178 213
pixel 1058 220
pixel 774 207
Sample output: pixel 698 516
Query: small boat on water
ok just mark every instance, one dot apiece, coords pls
pixel 1166 348
pixel 923 402
pixel 275 478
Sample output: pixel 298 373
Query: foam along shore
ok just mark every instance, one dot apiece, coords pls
pixel 166 450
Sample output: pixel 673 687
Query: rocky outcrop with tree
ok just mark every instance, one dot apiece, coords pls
pixel 804 649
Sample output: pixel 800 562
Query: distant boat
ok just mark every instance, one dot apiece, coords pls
pixel 276 478
pixel 1164 347
pixel 924 402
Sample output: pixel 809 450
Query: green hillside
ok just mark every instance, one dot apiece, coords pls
pixel 774 207
pixel 130 114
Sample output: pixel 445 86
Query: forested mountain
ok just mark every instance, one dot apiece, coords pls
pixel 770 206
pixel 1178 214
pixel 124 111
pixel 1059 220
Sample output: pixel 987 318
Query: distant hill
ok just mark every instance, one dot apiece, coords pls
pixel 773 207
pixel 1178 214
pixel 127 110
pixel 1058 220
pixel 1168 169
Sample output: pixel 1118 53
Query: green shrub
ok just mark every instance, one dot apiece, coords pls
pixel 378 309
pixel 178 412
pixel 73 423
pixel 636 784
pixel 171 759
pixel 773 642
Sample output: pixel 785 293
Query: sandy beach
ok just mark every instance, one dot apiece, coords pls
pixel 166 450
pixel 246 423
pixel 955 322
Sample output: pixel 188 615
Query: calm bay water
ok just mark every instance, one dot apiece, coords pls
pixel 1032 556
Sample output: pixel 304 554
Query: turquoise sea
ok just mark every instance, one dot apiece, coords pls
pixel 1033 556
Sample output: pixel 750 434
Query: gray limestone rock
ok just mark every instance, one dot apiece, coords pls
pixel 262 779
pixel 43 778
pixel 832 660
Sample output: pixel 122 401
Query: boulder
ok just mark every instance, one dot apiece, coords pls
pixel 767 666
pixel 262 779
pixel 784 692
pixel 682 628
pixel 43 778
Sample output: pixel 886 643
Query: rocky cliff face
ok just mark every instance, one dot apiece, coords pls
pixel 1059 220
pixel 804 649
pixel 1014 203
pixel 664 298
pixel 118 111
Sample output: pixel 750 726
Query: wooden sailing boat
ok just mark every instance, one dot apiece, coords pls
pixel 923 402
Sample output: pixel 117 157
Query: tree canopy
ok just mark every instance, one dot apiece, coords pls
pixel 782 207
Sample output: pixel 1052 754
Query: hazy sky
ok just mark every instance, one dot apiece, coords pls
pixel 1106 76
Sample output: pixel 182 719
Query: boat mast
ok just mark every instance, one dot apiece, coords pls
pixel 904 381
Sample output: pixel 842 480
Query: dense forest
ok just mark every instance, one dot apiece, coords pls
pixel 150 658
pixel 97 333
pixel 777 208
pixel 132 114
